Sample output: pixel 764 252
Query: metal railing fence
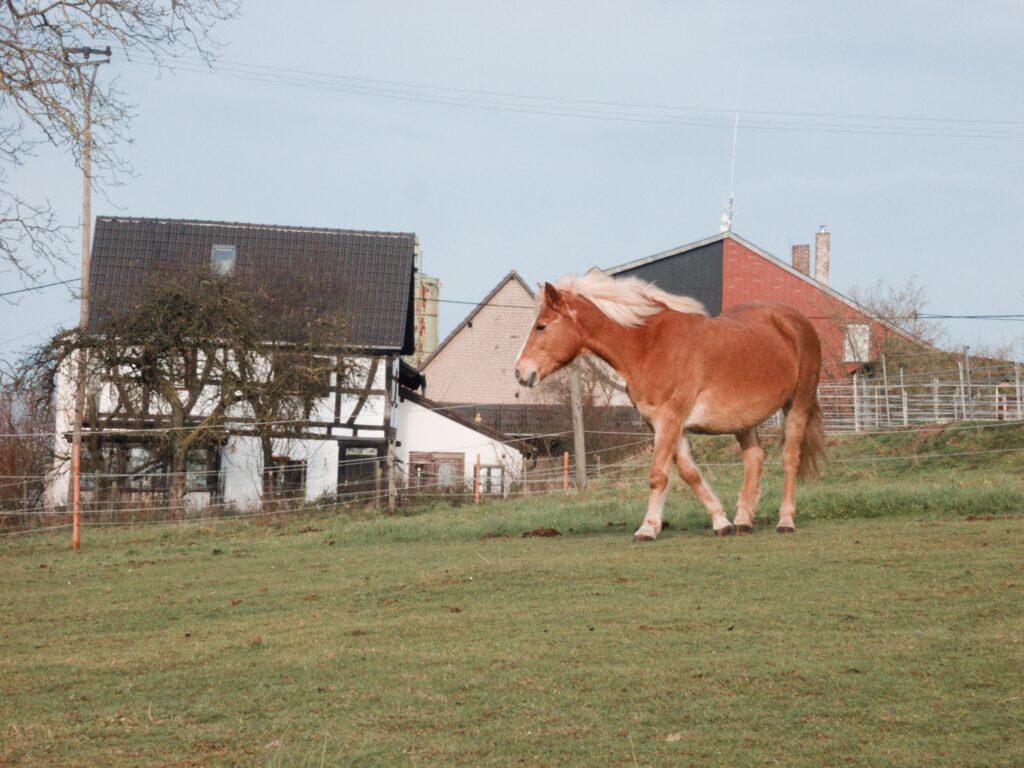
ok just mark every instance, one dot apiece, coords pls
pixel 987 394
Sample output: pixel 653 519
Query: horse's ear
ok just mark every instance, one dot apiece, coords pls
pixel 551 296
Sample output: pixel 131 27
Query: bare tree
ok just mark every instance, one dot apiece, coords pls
pixel 909 339
pixel 198 356
pixel 281 384
pixel 26 422
pixel 42 95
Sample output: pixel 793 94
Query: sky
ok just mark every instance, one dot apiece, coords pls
pixel 551 137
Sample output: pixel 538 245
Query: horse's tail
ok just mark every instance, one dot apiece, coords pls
pixel 812 447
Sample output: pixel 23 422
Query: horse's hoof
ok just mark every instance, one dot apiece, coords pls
pixel 743 528
pixel 785 529
pixel 726 531
pixel 642 537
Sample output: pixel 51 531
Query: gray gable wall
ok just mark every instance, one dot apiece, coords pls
pixel 695 272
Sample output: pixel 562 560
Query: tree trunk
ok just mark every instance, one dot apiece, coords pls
pixel 178 486
pixel 267 447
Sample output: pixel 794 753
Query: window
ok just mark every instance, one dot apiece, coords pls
pixel 436 471
pixel 201 469
pixel 358 465
pixel 287 476
pixel 222 259
pixel 492 481
pixel 857 343
pixel 140 468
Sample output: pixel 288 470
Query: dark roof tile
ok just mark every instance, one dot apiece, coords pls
pixel 368 274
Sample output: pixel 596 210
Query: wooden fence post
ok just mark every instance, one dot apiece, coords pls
pixel 476 480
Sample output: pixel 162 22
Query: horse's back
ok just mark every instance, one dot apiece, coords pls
pixel 771 336
pixel 768 317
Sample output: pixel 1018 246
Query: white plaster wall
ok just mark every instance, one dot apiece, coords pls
pixel 424 430
pixel 58 486
pixel 242 468
pixel 242 458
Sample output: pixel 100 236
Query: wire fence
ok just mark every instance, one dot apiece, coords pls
pixel 864 404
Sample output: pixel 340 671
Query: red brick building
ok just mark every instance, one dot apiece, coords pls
pixel 726 270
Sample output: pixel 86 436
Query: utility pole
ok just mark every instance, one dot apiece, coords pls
pixel 87 84
pixel 577 429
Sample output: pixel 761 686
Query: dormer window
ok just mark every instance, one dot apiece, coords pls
pixel 222 259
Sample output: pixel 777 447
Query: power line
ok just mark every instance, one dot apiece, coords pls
pixel 40 287
pixel 638 105
pixel 590 109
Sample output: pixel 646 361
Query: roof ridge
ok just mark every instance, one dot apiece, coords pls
pixel 251 225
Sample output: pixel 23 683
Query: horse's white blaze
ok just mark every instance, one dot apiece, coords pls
pixel 527 370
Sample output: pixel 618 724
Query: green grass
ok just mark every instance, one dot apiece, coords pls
pixel 889 631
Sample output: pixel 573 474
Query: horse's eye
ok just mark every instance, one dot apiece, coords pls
pixel 539 327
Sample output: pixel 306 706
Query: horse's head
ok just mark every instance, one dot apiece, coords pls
pixel 553 342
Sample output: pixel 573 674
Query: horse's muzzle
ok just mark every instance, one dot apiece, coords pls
pixel 529 380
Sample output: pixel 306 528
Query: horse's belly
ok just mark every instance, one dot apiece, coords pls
pixel 721 416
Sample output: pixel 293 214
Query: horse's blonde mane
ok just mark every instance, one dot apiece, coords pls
pixel 628 301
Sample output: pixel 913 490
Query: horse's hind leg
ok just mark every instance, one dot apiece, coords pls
pixel 753 461
pixel 795 426
pixel 691 474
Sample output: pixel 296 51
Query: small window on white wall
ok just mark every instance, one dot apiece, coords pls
pixel 857 343
pixel 492 480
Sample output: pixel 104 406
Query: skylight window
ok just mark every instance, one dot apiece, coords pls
pixel 222 259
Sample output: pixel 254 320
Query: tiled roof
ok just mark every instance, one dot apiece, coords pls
pixel 368 275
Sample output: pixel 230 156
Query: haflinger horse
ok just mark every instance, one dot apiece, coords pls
pixel 688 372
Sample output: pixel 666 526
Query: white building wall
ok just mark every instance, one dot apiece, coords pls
pixel 242 468
pixel 58 485
pixel 242 459
pixel 423 430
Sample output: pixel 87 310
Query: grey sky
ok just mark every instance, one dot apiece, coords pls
pixel 900 125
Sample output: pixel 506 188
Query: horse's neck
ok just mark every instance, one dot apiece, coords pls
pixel 618 346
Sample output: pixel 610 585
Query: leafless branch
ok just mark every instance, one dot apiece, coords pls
pixel 42 79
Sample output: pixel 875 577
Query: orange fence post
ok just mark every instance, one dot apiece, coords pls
pixel 76 496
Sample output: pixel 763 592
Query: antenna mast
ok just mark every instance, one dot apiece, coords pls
pixel 730 207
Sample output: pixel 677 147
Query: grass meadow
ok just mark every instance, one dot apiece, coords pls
pixel 888 631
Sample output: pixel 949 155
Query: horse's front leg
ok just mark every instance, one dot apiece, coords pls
pixel 666 435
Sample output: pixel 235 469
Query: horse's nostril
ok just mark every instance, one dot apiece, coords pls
pixel 528 380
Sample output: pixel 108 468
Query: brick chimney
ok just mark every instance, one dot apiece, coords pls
pixel 821 248
pixel 802 258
